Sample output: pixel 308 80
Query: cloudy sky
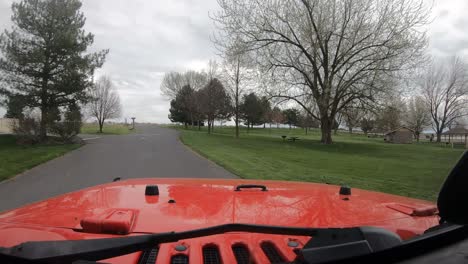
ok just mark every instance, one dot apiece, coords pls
pixel 148 38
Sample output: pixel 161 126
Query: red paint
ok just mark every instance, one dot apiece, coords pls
pixel 202 203
pixel 111 222
pixel 426 210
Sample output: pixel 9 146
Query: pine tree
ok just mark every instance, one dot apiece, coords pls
pixel 44 56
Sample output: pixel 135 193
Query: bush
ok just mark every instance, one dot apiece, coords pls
pixel 66 130
pixel 27 130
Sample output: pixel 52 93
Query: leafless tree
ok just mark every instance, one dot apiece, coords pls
pixel 105 102
pixel 445 90
pixel 418 116
pixel 277 116
pixel 236 75
pixel 173 82
pixel 335 51
pixel 352 115
pixel 213 70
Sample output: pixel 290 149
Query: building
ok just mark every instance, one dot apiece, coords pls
pixel 6 125
pixel 402 135
pixel 457 134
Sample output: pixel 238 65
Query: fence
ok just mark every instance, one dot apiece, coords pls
pixel 6 125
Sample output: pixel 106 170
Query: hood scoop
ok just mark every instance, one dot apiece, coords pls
pixel 414 210
pixel 113 221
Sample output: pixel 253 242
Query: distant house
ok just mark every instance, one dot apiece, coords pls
pixel 402 135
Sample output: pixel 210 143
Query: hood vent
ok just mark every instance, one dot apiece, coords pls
pixel 148 256
pixel 414 211
pixel 211 255
pixel 272 252
pixel 179 259
pixel 242 254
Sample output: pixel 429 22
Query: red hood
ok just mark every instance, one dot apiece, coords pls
pixel 201 203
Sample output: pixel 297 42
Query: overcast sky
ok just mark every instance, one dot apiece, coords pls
pixel 148 38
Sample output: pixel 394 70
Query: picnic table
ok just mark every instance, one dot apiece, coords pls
pixel 293 139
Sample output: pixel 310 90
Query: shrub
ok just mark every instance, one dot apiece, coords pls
pixel 27 130
pixel 66 130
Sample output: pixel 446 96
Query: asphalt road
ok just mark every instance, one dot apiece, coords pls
pixel 152 151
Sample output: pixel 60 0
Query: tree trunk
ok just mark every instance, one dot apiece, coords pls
pixel 350 129
pixel 237 97
pixel 248 126
pixel 185 125
pixel 326 129
pixel 101 124
pixel 263 125
pixel 212 126
pixel 199 125
pixel 237 124
pixel 43 124
pixel 439 136
pixel 306 130
pixel 277 125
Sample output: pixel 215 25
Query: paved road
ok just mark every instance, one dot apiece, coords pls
pixel 151 152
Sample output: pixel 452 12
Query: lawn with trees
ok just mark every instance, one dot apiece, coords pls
pixel 414 170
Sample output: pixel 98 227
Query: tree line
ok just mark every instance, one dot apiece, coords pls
pixel 197 107
pixel 437 100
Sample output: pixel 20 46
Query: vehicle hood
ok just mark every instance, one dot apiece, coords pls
pixel 200 203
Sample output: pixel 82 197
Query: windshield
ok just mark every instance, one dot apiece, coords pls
pixel 121 118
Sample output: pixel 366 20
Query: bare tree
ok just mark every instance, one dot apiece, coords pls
pixel 213 70
pixel 173 82
pixel 445 90
pixel 336 52
pixel 277 116
pixel 390 114
pixel 418 116
pixel 235 74
pixel 105 102
pixel 352 115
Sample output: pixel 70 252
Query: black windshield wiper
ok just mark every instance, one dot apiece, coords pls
pixel 67 251
pixel 328 244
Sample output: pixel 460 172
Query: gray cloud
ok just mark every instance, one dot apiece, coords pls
pixel 145 39
pixel 449 31
pixel 148 38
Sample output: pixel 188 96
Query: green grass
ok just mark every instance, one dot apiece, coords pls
pixel 15 159
pixel 108 129
pixel 415 170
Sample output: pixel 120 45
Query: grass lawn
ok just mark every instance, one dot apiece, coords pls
pixel 108 129
pixel 15 159
pixel 415 170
